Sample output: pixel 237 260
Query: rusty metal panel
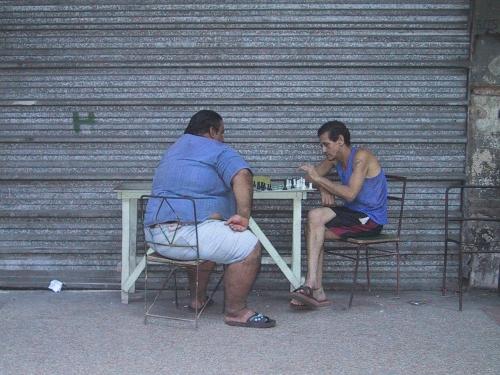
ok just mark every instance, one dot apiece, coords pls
pixel 252 85
pixel 91 95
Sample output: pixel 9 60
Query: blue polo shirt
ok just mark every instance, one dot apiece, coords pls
pixel 196 167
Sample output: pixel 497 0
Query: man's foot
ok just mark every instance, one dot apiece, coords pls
pixel 257 320
pixel 201 304
pixel 310 298
pixel 250 319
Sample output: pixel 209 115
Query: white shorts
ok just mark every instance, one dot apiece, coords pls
pixel 217 242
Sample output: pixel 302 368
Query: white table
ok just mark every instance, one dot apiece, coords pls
pixel 132 266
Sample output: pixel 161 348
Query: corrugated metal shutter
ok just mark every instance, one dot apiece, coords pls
pixel 91 94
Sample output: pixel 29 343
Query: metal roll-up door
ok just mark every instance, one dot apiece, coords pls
pixel 91 94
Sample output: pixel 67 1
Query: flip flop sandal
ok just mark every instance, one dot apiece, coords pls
pixel 257 320
pixel 304 294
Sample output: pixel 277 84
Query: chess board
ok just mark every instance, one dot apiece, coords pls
pixel 262 183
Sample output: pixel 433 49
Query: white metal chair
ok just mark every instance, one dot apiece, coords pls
pixel 153 258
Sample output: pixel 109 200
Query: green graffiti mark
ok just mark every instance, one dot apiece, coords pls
pixel 77 121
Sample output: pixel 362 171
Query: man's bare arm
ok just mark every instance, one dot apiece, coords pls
pixel 324 167
pixel 243 192
pixel 350 191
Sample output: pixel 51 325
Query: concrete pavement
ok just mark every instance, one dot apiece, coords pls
pixel 92 332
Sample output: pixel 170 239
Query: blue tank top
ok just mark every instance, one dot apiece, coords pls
pixel 372 198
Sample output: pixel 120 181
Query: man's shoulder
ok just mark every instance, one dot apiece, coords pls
pixel 369 158
pixel 363 152
pixel 191 140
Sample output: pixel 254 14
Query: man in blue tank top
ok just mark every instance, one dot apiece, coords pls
pixel 363 187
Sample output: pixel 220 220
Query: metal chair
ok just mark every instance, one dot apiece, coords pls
pixel 370 244
pixel 168 204
pixel 463 218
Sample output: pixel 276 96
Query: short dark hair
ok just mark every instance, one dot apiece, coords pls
pixel 334 129
pixel 202 121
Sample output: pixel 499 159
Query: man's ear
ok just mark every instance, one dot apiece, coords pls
pixel 340 140
pixel 212 132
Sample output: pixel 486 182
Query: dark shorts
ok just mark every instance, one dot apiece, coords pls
pixel 347 223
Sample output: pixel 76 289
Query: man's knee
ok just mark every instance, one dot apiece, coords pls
pixel 319 216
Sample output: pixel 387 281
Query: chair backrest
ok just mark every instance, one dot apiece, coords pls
pixel 397 192
pixel 179 210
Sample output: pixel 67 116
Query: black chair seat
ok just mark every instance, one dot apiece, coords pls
pixel 369 240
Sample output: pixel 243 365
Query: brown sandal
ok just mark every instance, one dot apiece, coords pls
pixel 305 295
pixel 298 306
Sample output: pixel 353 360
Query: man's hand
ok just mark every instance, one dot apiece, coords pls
pixel 311 173
pixel 215 216
pixel 327 199
pixel 237 223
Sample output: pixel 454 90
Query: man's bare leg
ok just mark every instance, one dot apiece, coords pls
pixel 318 292
pixel 317 219
pixel 316 233
pixel 204 270
pixel 238 280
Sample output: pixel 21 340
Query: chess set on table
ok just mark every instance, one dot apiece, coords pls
pixel 263 183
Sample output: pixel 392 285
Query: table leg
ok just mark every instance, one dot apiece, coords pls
pixel 296 238
pixel 268 246
pixel 129 245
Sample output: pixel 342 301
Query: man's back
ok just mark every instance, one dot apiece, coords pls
pixel 199 168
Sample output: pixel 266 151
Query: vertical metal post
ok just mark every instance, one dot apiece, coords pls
pixel 445 263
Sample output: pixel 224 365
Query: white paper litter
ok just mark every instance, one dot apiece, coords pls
pixel 55 285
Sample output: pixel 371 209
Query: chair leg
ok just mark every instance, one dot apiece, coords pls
pixel 196 315
pixel 460 279
pixel 445 265
pixel 398 259
pixel 148 308
pixel 146 293
pixel 173 274
pixel 214 290
pixel 367 269
pixel 498 284
pixel 175 289
pixel 224 291
pixel 355 277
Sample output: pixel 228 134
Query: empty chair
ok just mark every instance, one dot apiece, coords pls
pixel 469 219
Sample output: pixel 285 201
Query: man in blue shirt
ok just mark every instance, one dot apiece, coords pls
pixel 200 166
pixel 362 186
